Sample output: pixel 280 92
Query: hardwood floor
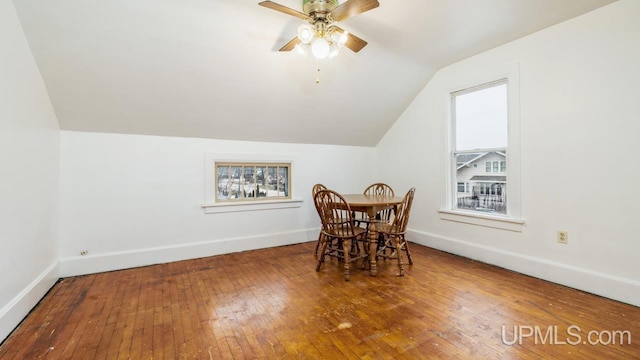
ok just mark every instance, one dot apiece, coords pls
pixel 272 304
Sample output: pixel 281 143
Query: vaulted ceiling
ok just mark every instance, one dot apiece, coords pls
pixel 211 69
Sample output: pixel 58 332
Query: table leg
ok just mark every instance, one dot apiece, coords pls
pixel 373 245
pixel 346 248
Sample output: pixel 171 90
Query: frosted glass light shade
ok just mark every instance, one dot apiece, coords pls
pixel 305 33
pixel 320 48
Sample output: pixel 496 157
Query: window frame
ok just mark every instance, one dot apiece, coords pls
pixel 472 78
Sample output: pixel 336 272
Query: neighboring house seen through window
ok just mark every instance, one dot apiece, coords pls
pixel 480 119
pixel 252 181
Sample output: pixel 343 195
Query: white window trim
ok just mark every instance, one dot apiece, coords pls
pixel 470 78
pixel 251 206
pixel 211 207
pixel 492 221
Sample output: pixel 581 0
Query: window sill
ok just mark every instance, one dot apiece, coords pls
pixel 251 206
pixel 497 222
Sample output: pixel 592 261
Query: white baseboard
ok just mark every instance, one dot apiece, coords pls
pixel 89 264
pixel 12 314
pixel 609 286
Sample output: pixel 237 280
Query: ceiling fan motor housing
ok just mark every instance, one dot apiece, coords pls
pixel 318 6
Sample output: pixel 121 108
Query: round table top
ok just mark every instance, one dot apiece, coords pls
pixel 372 200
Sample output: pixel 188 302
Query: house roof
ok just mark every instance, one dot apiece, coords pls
pixel 211 68
pixel 463 160
pixel 466 158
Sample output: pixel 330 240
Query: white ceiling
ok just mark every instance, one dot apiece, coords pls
pixel 211 69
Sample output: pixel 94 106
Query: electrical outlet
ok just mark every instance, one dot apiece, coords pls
pixel 563 237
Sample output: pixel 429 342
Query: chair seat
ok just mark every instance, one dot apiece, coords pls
pixel 342 233
pixel 389 229
pixel 367 221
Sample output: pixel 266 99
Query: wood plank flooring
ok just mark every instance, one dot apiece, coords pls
pixel 271 304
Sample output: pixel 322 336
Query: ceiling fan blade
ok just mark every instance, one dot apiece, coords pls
pixel 290 45
pixel 284 9
pixel 352 8
pixel 353 42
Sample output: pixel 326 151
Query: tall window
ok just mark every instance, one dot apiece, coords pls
pixel 252 181
pixel 480 119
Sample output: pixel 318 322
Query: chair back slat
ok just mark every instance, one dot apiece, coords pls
pixel 379 189
pixel 316 188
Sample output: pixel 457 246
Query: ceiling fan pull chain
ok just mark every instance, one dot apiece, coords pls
pixel 318 72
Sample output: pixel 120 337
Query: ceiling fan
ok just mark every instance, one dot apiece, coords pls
pixel 321 34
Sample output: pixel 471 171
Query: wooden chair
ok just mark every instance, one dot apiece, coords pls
pixel 381 189
pixel 316 188
pixel 362 219
pixel 338 230
pixel 384 215
pixel 393 233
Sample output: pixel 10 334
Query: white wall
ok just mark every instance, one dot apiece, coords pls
pixel 580 122
pixel 29 173
pixel 133 200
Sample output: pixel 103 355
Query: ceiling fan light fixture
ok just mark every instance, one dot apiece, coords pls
pixel 320 48
pixel 320 36
pixel 305 33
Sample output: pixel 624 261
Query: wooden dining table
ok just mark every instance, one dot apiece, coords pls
pixel 371 204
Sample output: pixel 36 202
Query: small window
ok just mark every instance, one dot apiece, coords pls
pixel 252 181
pixel 463 187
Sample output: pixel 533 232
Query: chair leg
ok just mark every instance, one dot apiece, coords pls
pixel 365 248
pixel 355 248
pixel 346 246
pixel 323 250
pixel 318 243
pixel 388 245
pixel 399 254
pixel 405 245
